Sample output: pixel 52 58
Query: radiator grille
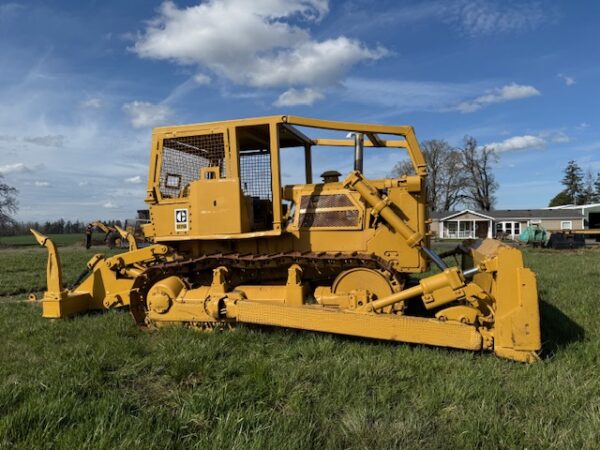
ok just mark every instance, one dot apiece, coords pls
pixel 346 218
pixel 183 158
pixel 325 201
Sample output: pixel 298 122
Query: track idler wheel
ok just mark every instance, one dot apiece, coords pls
pixel 355 287
pixel 163 293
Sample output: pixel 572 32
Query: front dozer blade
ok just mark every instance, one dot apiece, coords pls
pixel 516 328
pixel 491 304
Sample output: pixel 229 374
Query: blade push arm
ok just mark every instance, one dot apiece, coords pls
pixel 381 207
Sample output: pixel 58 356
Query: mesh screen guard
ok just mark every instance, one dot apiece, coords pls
pixel 183 157
pixel 255 174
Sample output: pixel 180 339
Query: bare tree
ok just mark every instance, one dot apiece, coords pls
pixel 8 203
pixel 451 180
pixel 445 178
pixel 587 191
pixel 402 168
pixel 480 185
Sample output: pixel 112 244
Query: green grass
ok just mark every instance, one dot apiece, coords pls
pixel 24 269
pixel 28 240
pixel 96 381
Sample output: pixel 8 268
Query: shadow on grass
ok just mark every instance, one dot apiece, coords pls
pixel 558 329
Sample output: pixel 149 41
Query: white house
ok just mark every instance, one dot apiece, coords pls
pixel 508 223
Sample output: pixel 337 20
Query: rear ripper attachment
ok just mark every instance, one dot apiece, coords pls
pixel 337 258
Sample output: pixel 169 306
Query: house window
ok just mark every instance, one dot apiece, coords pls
pixel 566 225
pixel 508 229
pixel 451 228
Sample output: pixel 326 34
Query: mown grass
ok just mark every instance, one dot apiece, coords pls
pixel 98 382
pixel 23 270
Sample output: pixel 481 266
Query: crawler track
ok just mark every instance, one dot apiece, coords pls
pixel 247 266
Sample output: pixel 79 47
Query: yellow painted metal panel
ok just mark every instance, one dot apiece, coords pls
pixel 384 326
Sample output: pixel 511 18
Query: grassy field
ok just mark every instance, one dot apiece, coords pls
pixel 98 382
pixel 29 241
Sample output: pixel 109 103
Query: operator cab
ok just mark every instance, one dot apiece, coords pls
pixel 223 179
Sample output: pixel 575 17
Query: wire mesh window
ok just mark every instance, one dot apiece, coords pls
pixel 327 219
pixel 255 174
pixel 183 158
pixel 328 211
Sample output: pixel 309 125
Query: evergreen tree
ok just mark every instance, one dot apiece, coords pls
pixel 573 182
pixel 560 199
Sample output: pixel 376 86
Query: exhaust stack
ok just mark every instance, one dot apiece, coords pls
pixel 359 145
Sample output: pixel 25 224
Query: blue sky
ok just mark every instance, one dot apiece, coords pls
pixel 83 82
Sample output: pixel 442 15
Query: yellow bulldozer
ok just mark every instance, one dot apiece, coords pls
pixel 111 237
pixel 230 245
pixel 115 236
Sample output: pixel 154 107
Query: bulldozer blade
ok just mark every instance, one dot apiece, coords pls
pixel 516 328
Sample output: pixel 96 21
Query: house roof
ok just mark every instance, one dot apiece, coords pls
pixel 507 214
pixel 582 207
pixel 452 214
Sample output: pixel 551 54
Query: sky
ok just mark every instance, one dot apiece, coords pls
pixel 82 83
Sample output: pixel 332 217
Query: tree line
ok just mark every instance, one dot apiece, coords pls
pixel 59 226
pixel 579 189
pixel 456 175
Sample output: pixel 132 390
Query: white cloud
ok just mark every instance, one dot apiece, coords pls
pixel 312 63
pixel 57 140
pixel 293 97
pixel 134 180
pixel 14 168
pixel 92 103
pixel 253 43
pixel 555 136
pixel 483 17
pixel 41 184
pixel 518 143
pixel 146 114
pixel 506 93
pixel 202 79
pixel 82 183
pixel 109 205
pixel 569 81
